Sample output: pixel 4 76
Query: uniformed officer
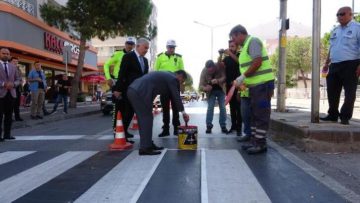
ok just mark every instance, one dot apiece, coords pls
pixel 112 69
pixel 257 75
pixel 172 62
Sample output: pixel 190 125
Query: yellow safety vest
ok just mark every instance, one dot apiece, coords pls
pixel 263 74
pixel 170 63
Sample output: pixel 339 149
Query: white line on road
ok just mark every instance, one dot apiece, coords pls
pixel 125 182
pixel 348 194
pixel 18 185
pixel 230 179
pixel 6 157
pixel 49 137
pixel 204 188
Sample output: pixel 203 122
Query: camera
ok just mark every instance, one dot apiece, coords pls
pixel 221 51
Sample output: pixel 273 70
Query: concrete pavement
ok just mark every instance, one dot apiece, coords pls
pixel 82 109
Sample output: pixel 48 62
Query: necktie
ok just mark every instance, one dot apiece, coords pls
pixel 6 70
pixel 142 63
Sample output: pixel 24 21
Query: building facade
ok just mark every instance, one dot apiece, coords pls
pixel 30 39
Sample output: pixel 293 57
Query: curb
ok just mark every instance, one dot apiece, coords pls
pixel 46 120
pixel 312 138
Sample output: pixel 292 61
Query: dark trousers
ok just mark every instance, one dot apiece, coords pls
pixel 260 104
pixel 17 104
pixel 145 118
pixel 6 110
pixel 235 111
pixel 342 75
pixel 127 115
pixel 165 105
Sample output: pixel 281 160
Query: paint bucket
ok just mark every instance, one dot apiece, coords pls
pixel 187 137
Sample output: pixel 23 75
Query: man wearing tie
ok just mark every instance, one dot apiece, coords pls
pixel 9 79
pixel 133 66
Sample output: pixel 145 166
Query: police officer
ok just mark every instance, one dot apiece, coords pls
pixel 172 62
pixel 257 75
pixel 112 69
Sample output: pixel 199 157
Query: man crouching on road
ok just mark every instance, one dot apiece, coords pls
pixel 142 93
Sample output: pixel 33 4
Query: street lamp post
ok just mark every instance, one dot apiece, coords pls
pixel 211 27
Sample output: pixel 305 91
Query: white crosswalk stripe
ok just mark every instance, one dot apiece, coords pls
pixel 50 137
pixel 125 182
pixel 18 185
pixel 6 157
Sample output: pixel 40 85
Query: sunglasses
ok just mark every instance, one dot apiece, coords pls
pixel 340 14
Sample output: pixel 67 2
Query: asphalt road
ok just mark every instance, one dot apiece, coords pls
pixel 69 161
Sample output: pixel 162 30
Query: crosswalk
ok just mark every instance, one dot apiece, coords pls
pixel 205 175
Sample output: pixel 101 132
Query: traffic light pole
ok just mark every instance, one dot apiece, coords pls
pixel 315 79
pixel 281 83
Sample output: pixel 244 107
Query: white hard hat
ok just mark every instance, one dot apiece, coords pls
pixel 130 40
pixel 171 43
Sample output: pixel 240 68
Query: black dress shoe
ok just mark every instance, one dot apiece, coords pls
pixel 148 151
pixel 257 149
pixel 10 138
pixel 130 141
pixel 176 132
pixel 19 119
pixel 33 117
pixel 154 147
pixel 39 117
pixel 164 133
pixel 344 122
pixel 2 139
pixel 329 118
pixel 129 135
pixel 243 138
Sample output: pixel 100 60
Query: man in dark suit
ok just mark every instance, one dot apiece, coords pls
pixel 9 79
pixel 133 66
pixel 142 93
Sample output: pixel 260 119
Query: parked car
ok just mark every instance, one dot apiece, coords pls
pixel 106 103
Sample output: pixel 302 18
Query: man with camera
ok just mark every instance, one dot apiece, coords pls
pixel 232 71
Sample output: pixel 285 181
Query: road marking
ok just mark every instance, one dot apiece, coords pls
pixel 6 157
pixel 230 179
pixel 125 182
pixel 49 137
pixel 335 186
pixel 18 185
pixel 204 188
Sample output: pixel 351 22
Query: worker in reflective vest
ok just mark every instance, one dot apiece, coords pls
pixel 257 75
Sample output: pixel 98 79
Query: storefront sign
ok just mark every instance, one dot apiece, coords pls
pixel 56 44
pixel 24 5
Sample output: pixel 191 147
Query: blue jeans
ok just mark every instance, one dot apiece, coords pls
pixel 220 96
pixel 61 97
pixel 246 114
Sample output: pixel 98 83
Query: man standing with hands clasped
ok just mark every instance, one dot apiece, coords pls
pixel 343 67
pixel 9 79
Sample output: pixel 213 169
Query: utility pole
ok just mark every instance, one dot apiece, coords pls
pixel 281 85
pixel 315 79
pixel 211 27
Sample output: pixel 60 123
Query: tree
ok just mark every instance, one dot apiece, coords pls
pixel 100 19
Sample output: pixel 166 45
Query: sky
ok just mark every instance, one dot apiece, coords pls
pixel 176 18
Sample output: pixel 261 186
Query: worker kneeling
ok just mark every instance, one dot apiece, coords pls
pixel 142 93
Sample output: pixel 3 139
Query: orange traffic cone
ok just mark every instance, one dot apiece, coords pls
pixel 120 141
pixel 135 125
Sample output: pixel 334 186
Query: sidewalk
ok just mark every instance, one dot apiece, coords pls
pixel 295 126
pixel 82 109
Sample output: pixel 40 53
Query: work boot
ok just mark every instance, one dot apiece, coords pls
pixel 164 133
pixel 224 130
pixel 258 148
pixel 243 138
